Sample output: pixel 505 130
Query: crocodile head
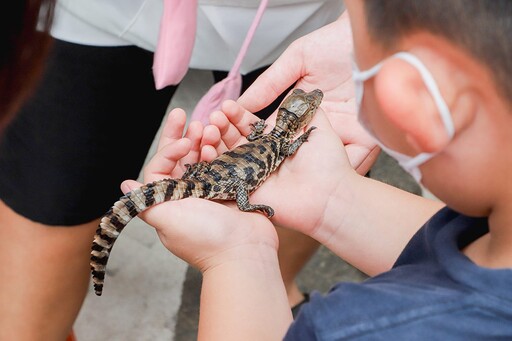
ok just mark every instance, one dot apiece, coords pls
pixel 297 110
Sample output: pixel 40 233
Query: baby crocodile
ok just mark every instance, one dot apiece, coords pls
pixel 231 176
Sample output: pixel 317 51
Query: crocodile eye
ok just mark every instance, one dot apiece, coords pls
pixel 311 99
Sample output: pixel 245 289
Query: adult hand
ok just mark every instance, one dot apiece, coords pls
pixel 319 60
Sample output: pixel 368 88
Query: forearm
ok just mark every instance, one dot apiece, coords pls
pixel 368 223
pixel 244 299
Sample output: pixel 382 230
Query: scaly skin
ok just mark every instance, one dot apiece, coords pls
pixel 232 176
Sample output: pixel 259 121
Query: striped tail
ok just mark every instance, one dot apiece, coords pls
pixel 124 210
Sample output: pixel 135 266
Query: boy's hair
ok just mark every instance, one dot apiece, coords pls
pixel 482 27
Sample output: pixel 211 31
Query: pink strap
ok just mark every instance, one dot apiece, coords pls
pixel 174 50
pixel 248 38
pixel 175 42
pixel 228 88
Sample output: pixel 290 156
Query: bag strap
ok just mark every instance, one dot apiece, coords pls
pixel 248 38
pixel 176 41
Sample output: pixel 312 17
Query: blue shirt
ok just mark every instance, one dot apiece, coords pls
pixel 433 292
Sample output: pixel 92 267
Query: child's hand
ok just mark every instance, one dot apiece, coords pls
pixel 300 190
pixel 201 232
pixel 318 193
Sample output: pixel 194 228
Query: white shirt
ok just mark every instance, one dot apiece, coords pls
pixel 221 29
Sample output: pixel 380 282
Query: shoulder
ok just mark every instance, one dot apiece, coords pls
pixel 433 291
pixel 396 311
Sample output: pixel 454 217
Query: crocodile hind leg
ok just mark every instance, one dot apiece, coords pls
pixel 242 201
pixel 193 170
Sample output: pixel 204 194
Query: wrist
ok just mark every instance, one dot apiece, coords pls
pixel 338 210
pixel 250 254
pixel 243 296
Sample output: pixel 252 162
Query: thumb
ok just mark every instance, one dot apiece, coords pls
pixel 129 185
pixel 284 72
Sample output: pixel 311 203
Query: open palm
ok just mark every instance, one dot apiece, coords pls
pixel 299 190
pixel 201 232
pixel 320 60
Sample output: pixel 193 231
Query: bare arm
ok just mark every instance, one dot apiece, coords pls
pixel 245 299
pixel 365 222
pixel 368 223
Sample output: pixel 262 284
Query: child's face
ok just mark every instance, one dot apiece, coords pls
pixel 481 119
pixel 367 54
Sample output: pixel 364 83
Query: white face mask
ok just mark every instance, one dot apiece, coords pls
pixel 409 163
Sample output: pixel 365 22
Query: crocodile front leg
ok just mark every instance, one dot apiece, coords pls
pixel 256 130
pixel 293 147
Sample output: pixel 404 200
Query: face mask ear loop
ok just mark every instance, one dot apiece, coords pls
pixel 409 163
pixel 361 76
pixel 431 85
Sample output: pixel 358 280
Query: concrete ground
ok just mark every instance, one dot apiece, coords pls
pixel 152 295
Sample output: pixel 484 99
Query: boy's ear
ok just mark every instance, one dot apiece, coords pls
pixel 406 102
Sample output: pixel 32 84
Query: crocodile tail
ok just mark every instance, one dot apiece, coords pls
pixel 123 211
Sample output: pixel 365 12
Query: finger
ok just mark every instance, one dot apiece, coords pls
pixel 164 162
pixel 173 127
pixel 212 144
pixel 239 117
pixel 320 120
pixel 129 185
pixel 219 120
pixel 208 153
pixel 229 133
pixel 284 72
pixel 362 160
pixel 194 134
pixel 212 137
